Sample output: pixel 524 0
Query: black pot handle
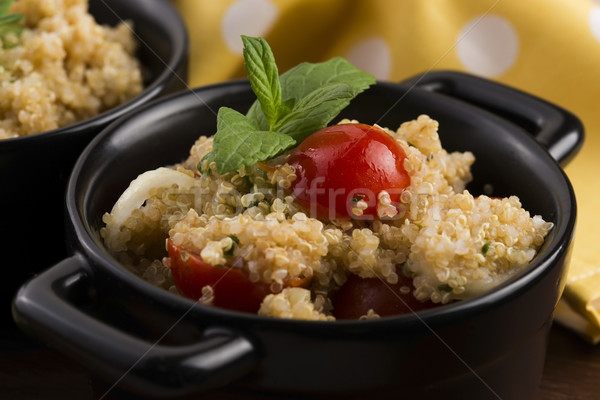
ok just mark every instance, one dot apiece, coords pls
pixel 44 308
pixel 555 128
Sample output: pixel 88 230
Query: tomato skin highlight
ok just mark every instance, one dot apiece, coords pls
pixel 344 162
pixel 231 286
pixel 358 295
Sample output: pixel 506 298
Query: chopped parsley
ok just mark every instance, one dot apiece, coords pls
pixel 229 251
pixel 444 287
pixel 485 248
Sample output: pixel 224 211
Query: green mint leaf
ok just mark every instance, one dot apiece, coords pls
pixel 306 77
pixel 310 80
pixel 263 76
pixel 258 118
pixel 5 6
pixel 238 142
pixel 315 110
pixel 314 99
pixel 10 19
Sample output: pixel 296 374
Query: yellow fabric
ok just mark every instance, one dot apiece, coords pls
pixel 550 48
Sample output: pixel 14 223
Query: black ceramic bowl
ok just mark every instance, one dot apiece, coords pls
pixel 155 343
pixel 34 170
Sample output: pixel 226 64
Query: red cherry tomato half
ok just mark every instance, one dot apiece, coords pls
pixel 342 164
pixel 231 286
pixel 358 295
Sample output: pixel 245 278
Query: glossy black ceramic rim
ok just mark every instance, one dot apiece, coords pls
pixel 177 31
pixel 549 254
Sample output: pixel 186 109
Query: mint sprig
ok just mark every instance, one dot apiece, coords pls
pixel 263 76
pixel 288 107
pixel 9 22
pixel 239 142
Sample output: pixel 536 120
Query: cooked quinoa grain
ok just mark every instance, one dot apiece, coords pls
pixel 292 303
pixel 453 245
pixel 64 68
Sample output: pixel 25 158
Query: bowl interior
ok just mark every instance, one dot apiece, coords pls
pixel 162 133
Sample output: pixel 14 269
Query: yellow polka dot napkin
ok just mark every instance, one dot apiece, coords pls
pixel 550 48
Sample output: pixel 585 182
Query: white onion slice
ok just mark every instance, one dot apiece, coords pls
pixel 139 190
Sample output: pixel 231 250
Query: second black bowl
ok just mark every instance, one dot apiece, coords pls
pixel 34 169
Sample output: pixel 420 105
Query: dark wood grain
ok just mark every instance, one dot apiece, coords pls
pixel 31 371
pixel 572 370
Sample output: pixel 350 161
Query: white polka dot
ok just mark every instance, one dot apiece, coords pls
pixel 488 46
pixel 247 17
pixel 594 21
pixel 372 55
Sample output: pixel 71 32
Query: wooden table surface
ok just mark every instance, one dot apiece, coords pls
pixel 29 370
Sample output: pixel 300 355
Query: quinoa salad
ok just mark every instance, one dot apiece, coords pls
pixel 251 239
pixel 63 67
